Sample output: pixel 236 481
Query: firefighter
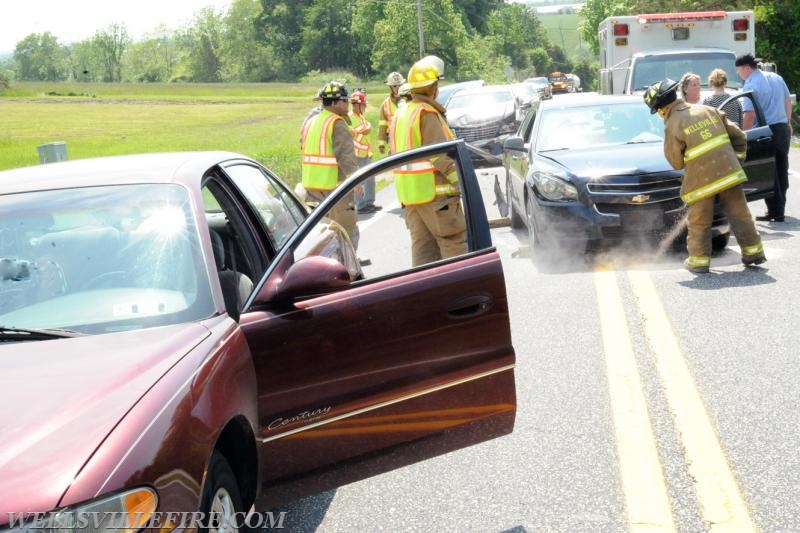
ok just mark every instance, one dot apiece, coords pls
pixel 429 189
pixel 703 141
pixel 388 109
pixel 362 130
pixel 329 156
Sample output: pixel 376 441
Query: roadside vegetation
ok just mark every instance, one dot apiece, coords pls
pixel 259 120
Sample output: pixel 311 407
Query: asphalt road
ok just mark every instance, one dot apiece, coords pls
pixel 646 395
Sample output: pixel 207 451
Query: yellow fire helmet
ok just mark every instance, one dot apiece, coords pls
pixel 426 71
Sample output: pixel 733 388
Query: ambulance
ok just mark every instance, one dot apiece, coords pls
pixel 639 50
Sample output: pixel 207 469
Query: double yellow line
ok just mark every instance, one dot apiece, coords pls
pixel 647 501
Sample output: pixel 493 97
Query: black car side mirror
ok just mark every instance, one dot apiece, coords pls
pixel 514 143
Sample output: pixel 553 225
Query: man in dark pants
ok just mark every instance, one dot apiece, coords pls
pixel 773 96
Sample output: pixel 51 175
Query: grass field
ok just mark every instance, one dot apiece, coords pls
pixel 259 120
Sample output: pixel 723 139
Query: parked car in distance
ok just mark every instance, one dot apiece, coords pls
pixel 587 169
pixel 446 91
pixel 201 341
pixel 526 94
pixel 543 86
pixel 484 116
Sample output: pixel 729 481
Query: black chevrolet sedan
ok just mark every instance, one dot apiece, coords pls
pixel 585 169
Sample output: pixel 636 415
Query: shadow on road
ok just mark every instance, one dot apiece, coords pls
pixel 304 515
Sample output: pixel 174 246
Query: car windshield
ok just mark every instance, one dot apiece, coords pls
pixel 537 82
pixel 478 100
pixel 650 69
pixel 598 125
pixel 101 259
pixel 527 90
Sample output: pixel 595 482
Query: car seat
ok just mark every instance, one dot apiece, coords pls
pixel 236 287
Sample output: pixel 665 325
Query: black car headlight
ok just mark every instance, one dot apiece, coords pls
pixel 554 188
pixel 126 512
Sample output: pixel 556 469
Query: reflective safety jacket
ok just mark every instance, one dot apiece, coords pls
pixel 422 181
pixel 703 141
pixel 320 168
pixel 387 113
pixel 361 130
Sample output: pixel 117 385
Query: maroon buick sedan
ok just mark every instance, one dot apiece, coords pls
pixel 179 332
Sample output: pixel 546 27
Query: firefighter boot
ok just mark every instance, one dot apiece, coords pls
pixel 697 264
pixel 753 260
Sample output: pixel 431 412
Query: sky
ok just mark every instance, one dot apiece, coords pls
pixel 76 20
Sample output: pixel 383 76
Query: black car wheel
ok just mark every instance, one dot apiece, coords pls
pixel 221 497
pixel 517 221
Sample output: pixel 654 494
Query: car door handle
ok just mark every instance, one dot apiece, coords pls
pixel 764 140
pixel 469 306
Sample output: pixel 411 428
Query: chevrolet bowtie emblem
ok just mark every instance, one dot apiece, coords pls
pixel 640 198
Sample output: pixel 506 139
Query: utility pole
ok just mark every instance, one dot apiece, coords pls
pixel 419 29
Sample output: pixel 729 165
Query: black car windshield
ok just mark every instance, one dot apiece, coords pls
pixel 100 259
pixel 589 126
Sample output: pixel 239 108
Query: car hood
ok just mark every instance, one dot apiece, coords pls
pixel 475 116
pixel 63 397
pixel 623 160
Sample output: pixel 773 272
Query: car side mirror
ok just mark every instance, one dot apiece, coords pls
pixel 514 143
pixel 310 276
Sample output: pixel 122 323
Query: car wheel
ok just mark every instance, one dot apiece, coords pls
pixel 516 220
pixel 720 242
pixel 221 496
pixel 533 236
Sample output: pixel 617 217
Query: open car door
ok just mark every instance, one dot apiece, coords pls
pixel 364 370
pixel 760 163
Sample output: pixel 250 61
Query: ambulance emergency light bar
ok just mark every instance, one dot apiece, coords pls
pixel 679 31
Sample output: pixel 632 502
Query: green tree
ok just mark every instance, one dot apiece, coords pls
pixel 397 39
pixel 476 13
pixel 40 57
pixel 244 57
pixel 516 31
pixel 327 39
pixel 110 46
pixel 153 59
pixel 280 26
pixel 201 46
pixel 778 37
pixel 559 59
pixel 83 62
pixel 365 16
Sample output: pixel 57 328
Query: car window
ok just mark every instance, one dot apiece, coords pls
pixel 101 259
pixel 527 124
pixel 380 244
pixel 277 208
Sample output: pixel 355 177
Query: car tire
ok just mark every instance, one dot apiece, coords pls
pixel 720 242
pixel 221 494
pixel 533 236
pixel 517 221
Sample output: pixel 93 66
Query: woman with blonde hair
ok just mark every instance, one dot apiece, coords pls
pixel 718 80
pixel 690 88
